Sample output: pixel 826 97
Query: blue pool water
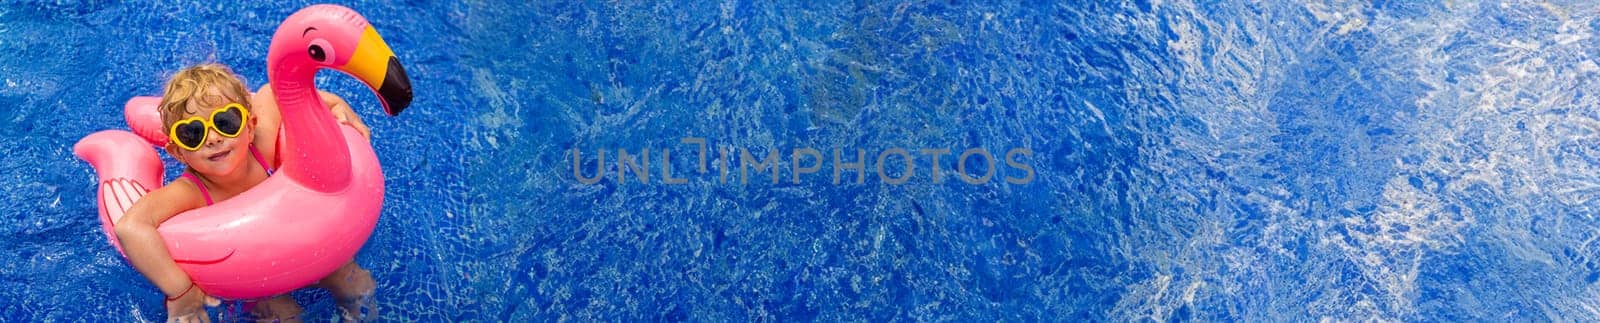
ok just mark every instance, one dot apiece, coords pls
pixel 1271 161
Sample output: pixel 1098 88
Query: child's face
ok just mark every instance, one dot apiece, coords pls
pixel 219 155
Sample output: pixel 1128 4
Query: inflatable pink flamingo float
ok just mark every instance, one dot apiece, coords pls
pixel 320 207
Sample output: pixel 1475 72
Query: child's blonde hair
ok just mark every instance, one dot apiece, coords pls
pixel 193 84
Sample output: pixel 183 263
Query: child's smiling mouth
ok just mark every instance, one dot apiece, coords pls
pixel 218 156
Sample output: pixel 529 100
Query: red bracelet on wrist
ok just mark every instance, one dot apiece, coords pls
pixel 180 295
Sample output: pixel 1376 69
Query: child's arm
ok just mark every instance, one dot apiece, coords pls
pixel 145 248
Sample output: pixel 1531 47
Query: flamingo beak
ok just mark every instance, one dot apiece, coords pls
pixel 374 64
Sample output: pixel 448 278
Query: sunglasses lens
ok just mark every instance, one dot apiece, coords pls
pixel 229 122
pixel 190 135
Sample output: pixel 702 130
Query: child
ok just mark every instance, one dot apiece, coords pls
pixel 225 155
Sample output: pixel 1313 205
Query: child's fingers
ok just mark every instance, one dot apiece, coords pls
pixel 360 128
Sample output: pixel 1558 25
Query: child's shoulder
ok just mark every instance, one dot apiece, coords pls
pixel 182 192
pixel 165 202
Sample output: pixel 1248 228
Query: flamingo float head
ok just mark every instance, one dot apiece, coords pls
pixel 331 36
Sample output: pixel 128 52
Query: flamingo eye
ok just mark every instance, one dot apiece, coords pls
pixel 320 51
pixel 316 53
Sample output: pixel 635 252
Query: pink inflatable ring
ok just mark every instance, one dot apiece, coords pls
pixel 320 206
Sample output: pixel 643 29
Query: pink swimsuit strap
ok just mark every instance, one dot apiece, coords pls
pixel 207 194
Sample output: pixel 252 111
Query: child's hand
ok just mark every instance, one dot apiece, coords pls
pixel 354 122
pixel 349 117
pixel 341 111
pixel 191 307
